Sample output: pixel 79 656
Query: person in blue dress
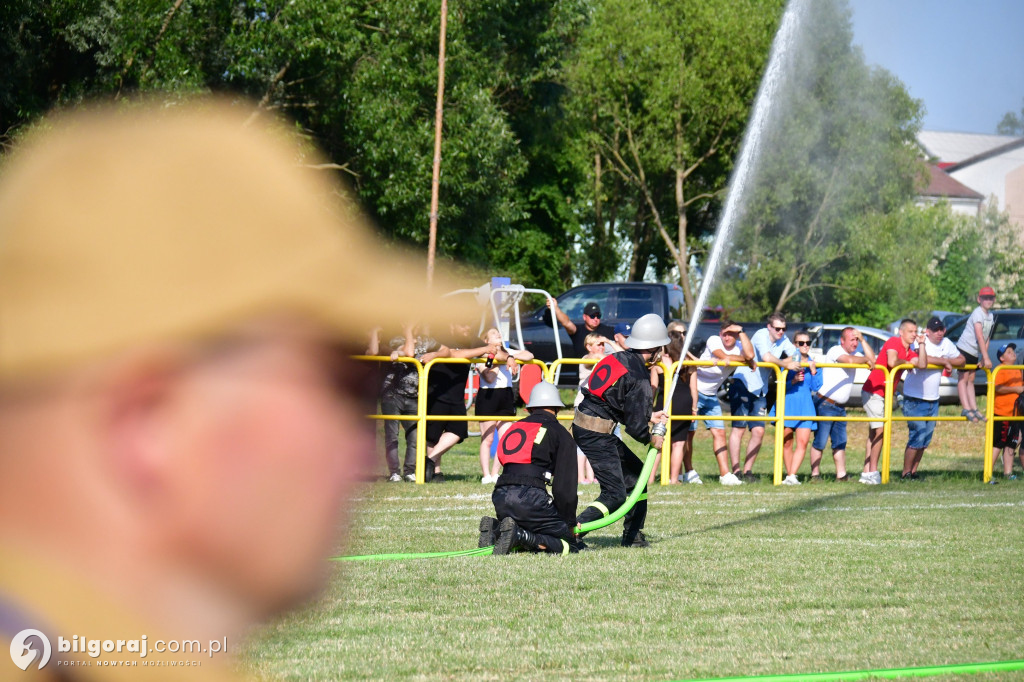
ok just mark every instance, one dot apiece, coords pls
pixel 800 387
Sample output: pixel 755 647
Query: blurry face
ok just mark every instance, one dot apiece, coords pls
pixel 595 348
pixel 492 336
pixel 776 330
pixel 908 333
pixel 849 342
pixel 935 336
pixel 986 302
pixel 803 343
pixel 268 443
pixel 591 321
pixel 729 339
pixel 1009 357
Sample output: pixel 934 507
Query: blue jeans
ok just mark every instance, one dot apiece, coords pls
pixel 920 432
pixel 825 430
pixel 708 405
pixel 743 403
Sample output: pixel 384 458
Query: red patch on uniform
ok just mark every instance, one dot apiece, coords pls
pixel 516 446
pixel 605 374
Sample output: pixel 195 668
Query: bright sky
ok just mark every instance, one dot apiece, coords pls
pixel 963 58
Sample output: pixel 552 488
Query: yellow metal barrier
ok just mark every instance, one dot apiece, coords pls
pixel 549 370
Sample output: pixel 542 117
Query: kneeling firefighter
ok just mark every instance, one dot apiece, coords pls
pixel 535 452
pixel 619 390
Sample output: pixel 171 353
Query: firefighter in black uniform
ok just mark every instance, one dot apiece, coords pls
pixel 535 452
pixel 619 390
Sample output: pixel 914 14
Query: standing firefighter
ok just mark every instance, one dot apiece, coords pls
pixel 535 452
pixel 619 390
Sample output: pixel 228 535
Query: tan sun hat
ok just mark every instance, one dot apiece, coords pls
pixel 150 224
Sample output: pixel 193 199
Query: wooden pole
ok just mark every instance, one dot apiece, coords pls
pixel 438 117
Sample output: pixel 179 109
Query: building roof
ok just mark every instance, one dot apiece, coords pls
pixel 1003 150
pixel 955 148
pixel 941 184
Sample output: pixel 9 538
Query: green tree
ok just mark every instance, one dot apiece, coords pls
pixel 839 151
pixel 358 77
pixel 978 251
pixel 661 91
pixel 1012 124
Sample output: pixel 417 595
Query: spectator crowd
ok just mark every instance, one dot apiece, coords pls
pixel 732 369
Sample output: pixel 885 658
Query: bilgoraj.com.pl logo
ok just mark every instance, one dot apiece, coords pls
pixel 31 647
pixel 28 646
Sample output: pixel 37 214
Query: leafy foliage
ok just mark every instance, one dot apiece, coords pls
pixel 838 161
pixel 1011 123
pixel 661 91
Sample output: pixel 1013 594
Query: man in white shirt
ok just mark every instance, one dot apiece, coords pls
pixel 721 350
pixel 831 398
pixel 921 391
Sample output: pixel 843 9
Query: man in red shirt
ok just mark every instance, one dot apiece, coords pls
pixel 896 351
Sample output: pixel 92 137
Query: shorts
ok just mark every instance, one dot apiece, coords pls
pixel 1006 434
pixel 708 405
pixel 496 402
pixel 834 430
pixel 874 405
pixel 436 428
pixel 743 403
pixel 920 431
pixel 971 359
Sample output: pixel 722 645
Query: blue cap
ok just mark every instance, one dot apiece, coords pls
pixel 623 328
pixel 1005 347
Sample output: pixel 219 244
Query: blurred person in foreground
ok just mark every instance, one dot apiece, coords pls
pixel 181 426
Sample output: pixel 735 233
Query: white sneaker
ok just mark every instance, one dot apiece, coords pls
pixel 791 480
pixel 489 479
pixel 877 477
pixel 869 477
pixel 395 478
pixel 730 479
pixel 411 478
pixel 692 477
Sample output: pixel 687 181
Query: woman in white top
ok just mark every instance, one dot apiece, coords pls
pixel 496 398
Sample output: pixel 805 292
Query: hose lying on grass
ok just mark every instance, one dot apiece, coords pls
pixel 638 490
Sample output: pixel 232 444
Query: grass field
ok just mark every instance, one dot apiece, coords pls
pixel 751 580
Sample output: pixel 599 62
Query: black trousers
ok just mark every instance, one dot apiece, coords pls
pixel 533 509
pixel 617 470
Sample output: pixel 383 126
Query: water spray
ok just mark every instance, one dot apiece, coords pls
pixel 750 152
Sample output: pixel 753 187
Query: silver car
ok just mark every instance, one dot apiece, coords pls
pixel 829 335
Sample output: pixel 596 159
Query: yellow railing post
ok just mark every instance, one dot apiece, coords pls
pixel 885 459
pixel 669 371
pixel 990 408
pixel 780 420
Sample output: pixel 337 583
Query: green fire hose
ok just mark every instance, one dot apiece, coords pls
pixel 638 490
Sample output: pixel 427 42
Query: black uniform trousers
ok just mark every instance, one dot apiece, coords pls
pixel 533 509
pixel 617 470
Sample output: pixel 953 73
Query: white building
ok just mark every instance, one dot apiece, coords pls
pixel 992 165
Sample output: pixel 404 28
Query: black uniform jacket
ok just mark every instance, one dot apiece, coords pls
pixel 619 388
pixel 539 444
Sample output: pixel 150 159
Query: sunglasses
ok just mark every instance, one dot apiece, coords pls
pixel 779 329
pixel 987 298
pixel 803 343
